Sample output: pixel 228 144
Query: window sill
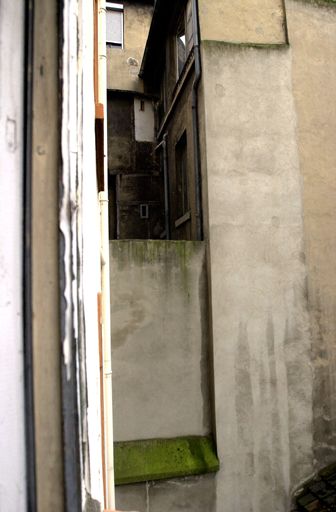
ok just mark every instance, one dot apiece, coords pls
pixel 157 459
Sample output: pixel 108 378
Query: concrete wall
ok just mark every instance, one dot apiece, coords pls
pixel 267 117
pixel 123 65
pixel 159 339
pixel 269 122
pixel 261 332
pixel 312 37
pixel 195 494
pixel 45 262
pixel 270 116
pixel 243 21
pixel 12 435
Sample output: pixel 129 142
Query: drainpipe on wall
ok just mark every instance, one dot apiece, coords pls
pixel 163 144
pixel 27 264
pixel 197 159
pixel 107 359
pixel 105 272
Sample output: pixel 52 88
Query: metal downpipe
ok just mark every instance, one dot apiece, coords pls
pixel 163 145
pixel 27 260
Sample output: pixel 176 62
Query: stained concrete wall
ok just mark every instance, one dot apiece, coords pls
pixel 268 120
pixel 243 21
pixel 312 35
pixel 195 494
pixel 159 339
pixel 123 65
pixel 261 335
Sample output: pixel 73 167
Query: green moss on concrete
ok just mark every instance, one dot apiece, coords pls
pixel 139 252
pixel 157 459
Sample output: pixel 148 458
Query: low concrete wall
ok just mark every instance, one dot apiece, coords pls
pixel 159 338
pixel 194 494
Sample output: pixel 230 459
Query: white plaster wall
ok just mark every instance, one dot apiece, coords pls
pixel 144 121
pixel 12 445
pixel 261 337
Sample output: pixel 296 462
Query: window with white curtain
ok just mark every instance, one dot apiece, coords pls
pixel 114 24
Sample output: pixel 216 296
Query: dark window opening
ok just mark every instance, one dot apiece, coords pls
pixel 181 46
pixel 184 38
pixel 144 211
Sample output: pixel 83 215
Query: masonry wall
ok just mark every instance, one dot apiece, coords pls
pixel 123 65
pixel 269 115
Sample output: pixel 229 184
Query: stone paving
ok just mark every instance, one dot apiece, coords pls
pixel 319 494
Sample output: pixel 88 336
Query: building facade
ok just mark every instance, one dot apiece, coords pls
pixel 244 105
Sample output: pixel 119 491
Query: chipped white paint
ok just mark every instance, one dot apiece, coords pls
pixel 68 123
pixel 80 228
pixel 12 444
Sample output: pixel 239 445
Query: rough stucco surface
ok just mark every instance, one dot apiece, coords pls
pixel 245 21
pixel 195 494
pixel 159 337
pixel 261 337
pixel 312 34
pixel 123 65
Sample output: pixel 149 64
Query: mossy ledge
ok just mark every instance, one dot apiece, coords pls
pixel 157 459
pixel 241 45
